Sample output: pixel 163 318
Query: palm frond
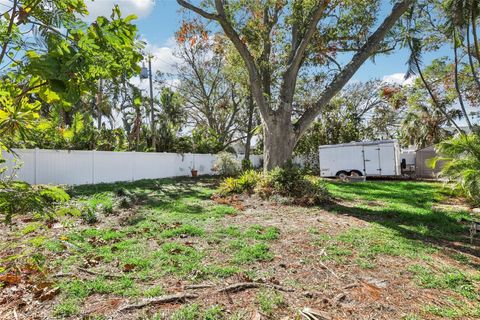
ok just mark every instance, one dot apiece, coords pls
pixel 415 58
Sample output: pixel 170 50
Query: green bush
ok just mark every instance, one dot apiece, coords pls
pixel 287 183
pixel 21 198
pixel 285 180
pixel 51 194
pixel 461 156
pixel 244 184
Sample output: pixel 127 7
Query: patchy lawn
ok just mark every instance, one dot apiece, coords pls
pixel 383 250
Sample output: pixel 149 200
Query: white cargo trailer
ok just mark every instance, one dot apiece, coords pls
pixel 373 158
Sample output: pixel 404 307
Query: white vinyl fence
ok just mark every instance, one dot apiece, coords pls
pixel 90 167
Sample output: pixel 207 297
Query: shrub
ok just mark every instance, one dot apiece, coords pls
pixel 244 184
pixel 287 184
pixel 290 182
pixel 21 198
pixel 285 180
pixel 51 194
pixel 226 164
pixel 462 164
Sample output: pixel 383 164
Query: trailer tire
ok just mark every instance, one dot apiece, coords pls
pixel 355 173
pixel 342 175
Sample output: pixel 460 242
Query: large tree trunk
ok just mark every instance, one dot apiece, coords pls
pixel 279 142
pixel 248 143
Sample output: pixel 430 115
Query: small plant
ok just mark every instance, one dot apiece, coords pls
pixel 244 184
pixel 251 253
pixel 269 300
pixel 226 165
pixel 89 215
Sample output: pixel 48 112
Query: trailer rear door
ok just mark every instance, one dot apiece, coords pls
pixel 388 160
pixel 371 156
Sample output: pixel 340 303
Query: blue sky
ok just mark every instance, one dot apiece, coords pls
pixel 158 21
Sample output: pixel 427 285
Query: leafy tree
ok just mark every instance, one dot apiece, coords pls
pixel 276 39
pixel 430 26
pixel 362 110
pixel 64 64
pixel 211 98
pixel 170 120
pixel 432 108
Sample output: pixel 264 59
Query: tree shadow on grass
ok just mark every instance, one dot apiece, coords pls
pixel 172 187
pixel 437 228
pixel 419 194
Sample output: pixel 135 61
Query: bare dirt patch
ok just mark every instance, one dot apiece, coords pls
pixel 343 264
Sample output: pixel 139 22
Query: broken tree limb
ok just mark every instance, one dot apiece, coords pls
pixel 106 275
pixel 197 286
pixel 181 297
pixel 312 314
pixel 236 287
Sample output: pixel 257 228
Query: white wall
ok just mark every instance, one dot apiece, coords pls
pixel 89 167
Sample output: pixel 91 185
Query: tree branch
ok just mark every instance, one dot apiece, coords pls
pixel 203 13
pixel 297 55
pixel 351 68
pixel 254 75
pixel 9 31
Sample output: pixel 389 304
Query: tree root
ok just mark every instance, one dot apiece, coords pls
pixel 236 287
pixel 181 297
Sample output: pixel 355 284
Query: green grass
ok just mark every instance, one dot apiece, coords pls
pixel 447 278
pixel 175 231
pixel 194 312
pixel 67 308
pixel 183 231
pixel 453 309
pixel 252 253
pixel 403 222
pixel 269 300
pixel 403 206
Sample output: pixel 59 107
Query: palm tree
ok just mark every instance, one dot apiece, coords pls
pixel 462 167
pixel 424 125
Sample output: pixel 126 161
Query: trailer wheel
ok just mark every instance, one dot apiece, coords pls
pixel 355 173
pixel 342 175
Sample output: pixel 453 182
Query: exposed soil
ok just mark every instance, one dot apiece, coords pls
pixel 340 289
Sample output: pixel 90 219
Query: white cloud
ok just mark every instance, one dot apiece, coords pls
pixel 140 8
pixel 398 78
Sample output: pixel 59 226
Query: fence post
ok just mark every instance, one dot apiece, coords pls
pixel 93 166
pixel 35 166
pixel 133 165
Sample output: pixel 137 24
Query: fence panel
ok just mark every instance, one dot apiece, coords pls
pixel 88 167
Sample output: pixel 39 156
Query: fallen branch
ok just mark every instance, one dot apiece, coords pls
pixel 61 275
pixel 181 297
pixel 236 287
pixel 106 275
pixel 197 286
pixel 331 271
pixel 312 314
